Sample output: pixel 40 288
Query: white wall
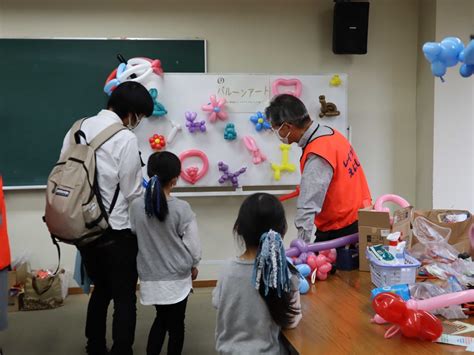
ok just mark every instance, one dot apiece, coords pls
pixel 453 173
pixel 425 108
pixel 249 36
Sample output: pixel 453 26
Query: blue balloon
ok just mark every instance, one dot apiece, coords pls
pixel 438 68
pixel 455 41
pixel 304 286
pixel 449 54
pixel 462 56
pixel 431 50
pixel 304 269
pixel 468 56
pixel 466 70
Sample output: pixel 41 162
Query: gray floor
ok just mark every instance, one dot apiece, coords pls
pixel 61 331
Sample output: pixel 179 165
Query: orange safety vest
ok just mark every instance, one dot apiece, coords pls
pixel 4 245
pixel 348 191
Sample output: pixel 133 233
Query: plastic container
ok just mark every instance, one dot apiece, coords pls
pixel 387 275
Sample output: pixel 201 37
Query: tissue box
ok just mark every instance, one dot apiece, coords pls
pixel 375 226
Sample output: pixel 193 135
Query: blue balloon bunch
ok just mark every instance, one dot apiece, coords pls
pixel 467 57
pixel 448 53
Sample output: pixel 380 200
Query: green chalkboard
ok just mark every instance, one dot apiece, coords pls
pixel 46 84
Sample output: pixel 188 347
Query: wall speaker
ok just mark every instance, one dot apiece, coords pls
pixel 350 28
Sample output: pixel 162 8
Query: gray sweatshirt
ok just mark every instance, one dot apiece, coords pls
pixel 164 254
pixel 244 324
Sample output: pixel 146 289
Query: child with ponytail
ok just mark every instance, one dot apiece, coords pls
pixel 257 294
pixel 169 251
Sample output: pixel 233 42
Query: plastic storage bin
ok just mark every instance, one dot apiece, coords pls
pixel 387 275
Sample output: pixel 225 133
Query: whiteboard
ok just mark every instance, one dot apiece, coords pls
pixel 246 94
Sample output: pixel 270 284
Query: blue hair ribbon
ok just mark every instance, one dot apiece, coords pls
pixel 152 196
pixel 270 267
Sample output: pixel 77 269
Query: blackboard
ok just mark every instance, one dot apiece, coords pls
pixel 46 84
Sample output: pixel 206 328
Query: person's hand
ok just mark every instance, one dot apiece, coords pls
pixel 194 273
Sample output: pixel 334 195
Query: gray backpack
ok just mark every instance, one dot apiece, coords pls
pixel 74 211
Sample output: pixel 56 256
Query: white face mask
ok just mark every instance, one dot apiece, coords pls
pixel 284 140
pixel 131 126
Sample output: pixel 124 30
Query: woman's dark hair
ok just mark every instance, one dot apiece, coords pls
pixel 258 214
pixel 287 108
pixel 130 97
pixel 162 168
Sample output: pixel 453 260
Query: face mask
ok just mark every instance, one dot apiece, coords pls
pixel 131 126
pixel 284 140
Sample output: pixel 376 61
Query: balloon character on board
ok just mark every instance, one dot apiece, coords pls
pixel 215 108
pixel 228 176
pixel 158 108
pixel 192 125
pixel 193 174
pixel 443 55
pixel 285 164
pixel 230 133
pixel 260 121
pixel 135 69
pixel 157 142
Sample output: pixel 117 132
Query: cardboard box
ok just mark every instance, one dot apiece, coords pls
pixel 14 303
pixel 16 280
pixel 459 237
pixel 375 226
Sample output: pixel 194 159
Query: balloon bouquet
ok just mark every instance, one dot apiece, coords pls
pixel 448 53
pixel 303 256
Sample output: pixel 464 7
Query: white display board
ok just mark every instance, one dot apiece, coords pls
pixel 246 94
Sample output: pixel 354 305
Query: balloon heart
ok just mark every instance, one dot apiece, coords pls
pixel 287 82
pixel 193 174
pixel 412 323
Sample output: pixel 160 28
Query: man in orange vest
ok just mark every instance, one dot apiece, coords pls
pixel 4 261
pixel 333 185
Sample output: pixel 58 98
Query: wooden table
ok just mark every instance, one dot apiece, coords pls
pixel 336 320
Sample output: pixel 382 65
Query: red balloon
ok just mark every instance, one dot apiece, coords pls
pixel 410 326
pixel 389 306
pixel 430 326
pixel 412 323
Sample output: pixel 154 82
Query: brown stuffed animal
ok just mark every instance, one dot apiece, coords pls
pixel 328 109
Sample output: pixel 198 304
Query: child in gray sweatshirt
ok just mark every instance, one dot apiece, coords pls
pixel 169 251
pixel 257 294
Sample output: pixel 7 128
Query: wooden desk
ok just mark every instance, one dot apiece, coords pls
pixel 336 320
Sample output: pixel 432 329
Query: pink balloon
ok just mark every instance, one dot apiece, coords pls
pixel 390 198
pixel 193 178
pixel 320 260
pixel 216 109
pixel 287 82
pixel 325 268
pixel 445 300
pixel 332 255
pixel 321 275
pixel 311 261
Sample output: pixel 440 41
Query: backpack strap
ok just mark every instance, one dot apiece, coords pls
pixel 105 135
pixel 76 132
pixel 95 144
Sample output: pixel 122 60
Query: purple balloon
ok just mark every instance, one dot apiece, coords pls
pixel 303 257
pixel 298 246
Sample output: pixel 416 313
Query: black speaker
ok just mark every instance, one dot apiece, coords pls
pixel 350 28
